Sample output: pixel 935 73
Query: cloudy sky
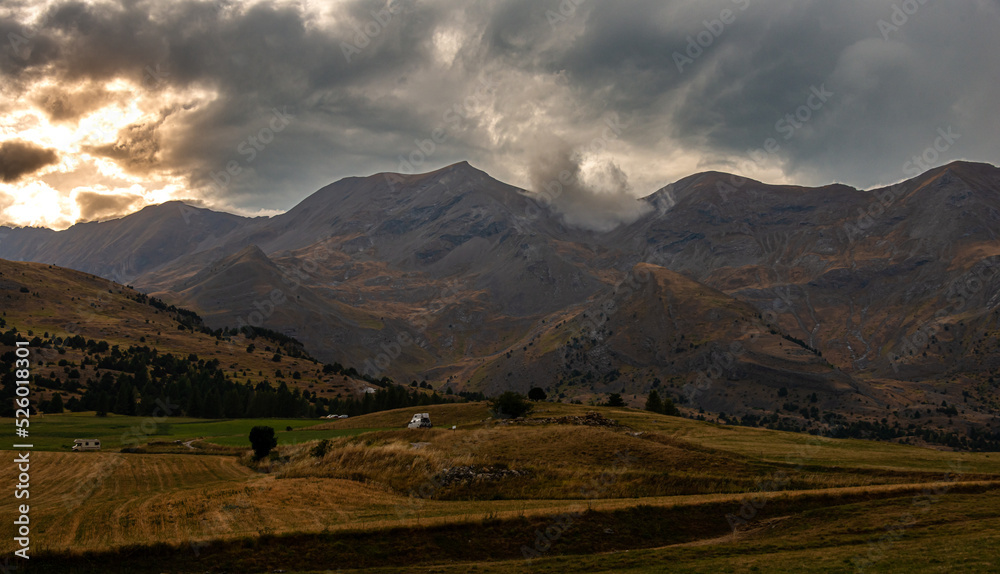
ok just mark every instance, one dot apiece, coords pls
pixel 106 107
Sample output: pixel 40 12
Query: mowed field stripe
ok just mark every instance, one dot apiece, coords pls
pixel 97 500
pixel 178 498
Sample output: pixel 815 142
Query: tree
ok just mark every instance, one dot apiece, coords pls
pixel 262 440
pixel 537 394
pixel 669 408
pixel 510 405
pixel 125 403
pixel 653 402
pixel 56 404
pixel 102 404
pixel 615 400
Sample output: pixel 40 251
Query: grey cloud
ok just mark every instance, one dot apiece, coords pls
pixel 551 77
pixel 600 204
pixel 18 159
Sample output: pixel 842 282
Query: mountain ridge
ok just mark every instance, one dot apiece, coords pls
pixel 442 275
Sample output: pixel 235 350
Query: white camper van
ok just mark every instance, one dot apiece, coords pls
pixel 86 444
pixel 420 421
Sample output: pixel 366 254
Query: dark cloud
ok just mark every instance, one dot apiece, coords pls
pixel 18 159
pixel 99 206
pixel 366 81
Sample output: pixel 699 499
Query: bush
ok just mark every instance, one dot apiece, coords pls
pixel 510 405
pixel 262 440
pixel 321 448
pixel 537 394
pixel 615 400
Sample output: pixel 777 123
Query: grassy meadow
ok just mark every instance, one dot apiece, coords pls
pixel 648 494
pixel 56 432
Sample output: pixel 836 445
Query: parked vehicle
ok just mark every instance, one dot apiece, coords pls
pixel 420 421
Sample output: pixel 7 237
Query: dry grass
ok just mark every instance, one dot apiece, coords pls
pixel 560 462
pixel 365 482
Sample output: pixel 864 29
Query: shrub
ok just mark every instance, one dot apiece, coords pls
pixel 262 440
pixel 510 405
pixel 321 448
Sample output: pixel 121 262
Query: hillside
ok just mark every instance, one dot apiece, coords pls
pixel 77 321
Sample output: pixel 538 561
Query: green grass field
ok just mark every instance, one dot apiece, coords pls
pixel 289 437
pixel 56 432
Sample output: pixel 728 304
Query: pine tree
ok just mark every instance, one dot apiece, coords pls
pixel 56 404
pixel 653 402
pixel 103 400
pixel 125 402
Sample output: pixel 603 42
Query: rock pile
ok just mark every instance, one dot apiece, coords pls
pixel 591 419
pixel 467 474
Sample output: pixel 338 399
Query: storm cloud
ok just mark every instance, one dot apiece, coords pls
pixel 729 85
pixel 18 159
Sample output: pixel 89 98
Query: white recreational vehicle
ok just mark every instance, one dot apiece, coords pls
pixel 420 421
pixel 86 444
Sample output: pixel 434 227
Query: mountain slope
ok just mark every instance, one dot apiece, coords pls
pixel 885 297
pixel 661 328
pixel 123 249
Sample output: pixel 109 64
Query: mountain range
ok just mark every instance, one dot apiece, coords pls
pixel 729 295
